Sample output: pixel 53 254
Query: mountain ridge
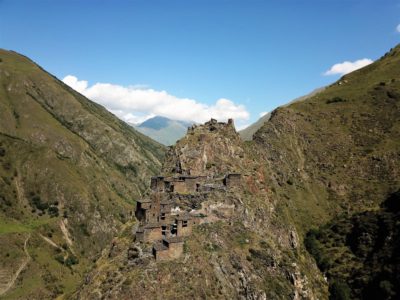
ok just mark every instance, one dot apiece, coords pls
pixel 70 172
pixel 164 130
pixel 247 133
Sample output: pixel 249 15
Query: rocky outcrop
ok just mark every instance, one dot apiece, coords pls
pixel 235 250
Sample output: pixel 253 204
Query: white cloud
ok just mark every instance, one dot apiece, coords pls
pixel 78 85
pixel 135 104
pixel 348 66
pixel 263 113
pixel 398 28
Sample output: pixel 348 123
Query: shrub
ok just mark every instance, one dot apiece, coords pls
pixel 71 260
pixel 387 289
pixel 84 229
pixel 59 258
pixel 53 211
pixel 339 290
pixel 335 100
pixel 37 202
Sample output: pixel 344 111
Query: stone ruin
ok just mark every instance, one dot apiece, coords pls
pixel 162 222
pixel 178 202
pixel 213 125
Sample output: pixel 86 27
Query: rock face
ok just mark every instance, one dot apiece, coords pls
pixel 217 151
pixel 69 174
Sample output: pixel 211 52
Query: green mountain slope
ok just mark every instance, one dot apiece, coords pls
pixel 360 253
pixel 333 154
pixel 247 133
pixel 336 155
pixel 340 146
pixel 70 173
pixel 164 130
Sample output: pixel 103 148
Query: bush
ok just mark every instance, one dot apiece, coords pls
pixel 84 229
pixel 59 258
pixel 37 202
pixel 335 100
pixel 314 247
pixel 53 211
pixel 339 290
pixel 386 289
pixel 71 260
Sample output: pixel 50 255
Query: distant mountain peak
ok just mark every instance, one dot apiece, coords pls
pixel 156 122
pixel 164 130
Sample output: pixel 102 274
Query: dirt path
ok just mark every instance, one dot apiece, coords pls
pixel 20 190
pixel 50 241
pixel 65 232
pixel 67 237
pixel 23 265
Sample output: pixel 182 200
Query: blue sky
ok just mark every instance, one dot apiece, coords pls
pixel 189 54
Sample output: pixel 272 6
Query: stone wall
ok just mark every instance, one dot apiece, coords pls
pixel 162 254
pixel 184 231
pixel 232 180
pixel 175 250
pixel 180 187
pixel 152 234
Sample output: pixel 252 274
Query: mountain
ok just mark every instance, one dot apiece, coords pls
pixel 247 133
pixel 70 173
pixel 164 130
pixel 332 157
pixel 336 156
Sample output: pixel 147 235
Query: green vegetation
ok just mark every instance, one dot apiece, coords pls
pixel 68 168
pixel 335 100
pixel 360 253
pixel 12 226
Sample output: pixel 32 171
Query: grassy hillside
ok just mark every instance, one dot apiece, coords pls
pixel 70 172
pixel 337 153
pixel 340 146
pixel 360 253
pixel 247 133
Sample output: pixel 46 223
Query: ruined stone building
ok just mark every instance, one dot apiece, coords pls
pixel 162 222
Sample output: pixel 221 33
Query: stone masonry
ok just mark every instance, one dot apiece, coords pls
pixel 166 217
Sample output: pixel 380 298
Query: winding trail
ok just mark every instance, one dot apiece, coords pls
pixel 4 289
pixel 49 241
pixel 20 193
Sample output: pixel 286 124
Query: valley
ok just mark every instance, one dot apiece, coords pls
pixel 77 185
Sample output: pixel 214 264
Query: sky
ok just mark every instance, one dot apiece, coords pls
pixel 197 59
